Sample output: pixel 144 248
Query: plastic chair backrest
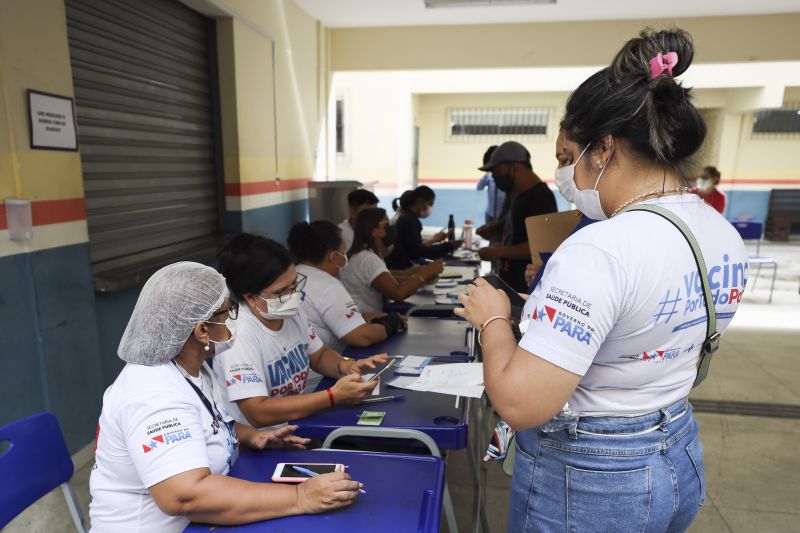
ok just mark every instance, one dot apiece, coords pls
pixel 35 462
pixel 749 230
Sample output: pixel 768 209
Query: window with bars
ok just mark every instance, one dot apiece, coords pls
pixel 475 123
pixel 782 121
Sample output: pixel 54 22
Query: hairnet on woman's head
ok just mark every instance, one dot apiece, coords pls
pixel 172 301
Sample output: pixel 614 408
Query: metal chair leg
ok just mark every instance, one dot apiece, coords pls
pixel 74 507
pixel 772 287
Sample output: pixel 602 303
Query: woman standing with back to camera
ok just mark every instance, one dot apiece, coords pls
pixel 597 386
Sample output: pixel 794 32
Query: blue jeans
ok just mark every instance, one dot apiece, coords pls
pixel 610 480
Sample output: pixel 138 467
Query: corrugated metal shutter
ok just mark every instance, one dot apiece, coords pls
pixel 146 127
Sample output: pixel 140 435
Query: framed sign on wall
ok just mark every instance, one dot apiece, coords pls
pixel 52 122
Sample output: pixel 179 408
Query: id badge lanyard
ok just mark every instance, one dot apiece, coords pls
pixel 216 416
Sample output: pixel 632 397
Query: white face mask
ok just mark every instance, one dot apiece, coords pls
pixel 426 212
pixel 345 261
pixel 223 346
pixel 277 310
pixel 565 179
pixel 588 200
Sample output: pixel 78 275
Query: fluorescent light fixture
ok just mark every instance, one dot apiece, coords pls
pixel 481 3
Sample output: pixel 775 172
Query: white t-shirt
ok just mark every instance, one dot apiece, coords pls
pixel 357 277
pixel 267 363
pixel 620 303
pixel 329 307
pixel 347 233
pixel 154 426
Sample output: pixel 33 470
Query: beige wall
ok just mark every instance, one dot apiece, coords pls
pixel 718 39
pixel 442 158
pixel 246 43
pixel 445 159
pixel 34 54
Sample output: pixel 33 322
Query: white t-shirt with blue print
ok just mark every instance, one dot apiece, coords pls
pixel 621 304
pixel 154 426
pixel 267 363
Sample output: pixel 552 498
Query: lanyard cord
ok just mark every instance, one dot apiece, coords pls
pixel 216 417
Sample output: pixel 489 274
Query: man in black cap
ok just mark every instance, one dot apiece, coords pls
pixel 511 168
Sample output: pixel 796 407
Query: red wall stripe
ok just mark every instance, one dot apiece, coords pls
pixel 51 212
pixel 262 187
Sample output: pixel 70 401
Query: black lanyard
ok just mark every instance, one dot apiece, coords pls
pixel 216 417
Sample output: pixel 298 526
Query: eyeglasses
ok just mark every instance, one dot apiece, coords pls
pixel 232 310
pixel 298 286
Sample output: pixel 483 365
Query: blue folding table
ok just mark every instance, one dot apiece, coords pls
pixel 424 336
pixel 436 415
pixel 403 492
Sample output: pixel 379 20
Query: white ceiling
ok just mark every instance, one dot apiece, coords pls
pixel 370 13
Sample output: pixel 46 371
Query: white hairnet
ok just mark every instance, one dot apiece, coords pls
pixel 172 301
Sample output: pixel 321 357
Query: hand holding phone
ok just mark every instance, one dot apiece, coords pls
pixel 517 303
pixel 389 365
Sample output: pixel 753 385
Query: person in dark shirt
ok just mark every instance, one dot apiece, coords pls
pixel 511 168
pixel 409 245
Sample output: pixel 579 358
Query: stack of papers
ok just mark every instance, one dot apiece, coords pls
pixel 412 365
pixel 457 379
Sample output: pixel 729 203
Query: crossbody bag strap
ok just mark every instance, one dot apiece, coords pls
pixel 711 343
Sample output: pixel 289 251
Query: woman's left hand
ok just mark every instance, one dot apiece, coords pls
pixel 277 438
pixel 481 302
pixel 362 366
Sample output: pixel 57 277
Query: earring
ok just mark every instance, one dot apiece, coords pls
pixel 599 164
pixel 206 348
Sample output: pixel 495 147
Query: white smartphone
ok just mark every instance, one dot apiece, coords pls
pixel 285 473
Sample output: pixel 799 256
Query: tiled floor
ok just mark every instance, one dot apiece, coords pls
pixel 752 463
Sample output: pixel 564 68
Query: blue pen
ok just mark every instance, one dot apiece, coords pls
pixel 309 473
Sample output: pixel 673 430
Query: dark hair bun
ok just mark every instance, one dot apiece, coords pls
pixel 655 115
pixel 251 262
pixel 633 60
pixel 311 242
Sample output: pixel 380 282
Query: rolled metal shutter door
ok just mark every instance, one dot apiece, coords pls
pixel 146 126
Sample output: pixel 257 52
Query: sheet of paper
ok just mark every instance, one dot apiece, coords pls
pixel 415 360
pixel 457 379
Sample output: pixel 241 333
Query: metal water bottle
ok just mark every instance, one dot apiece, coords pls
pixel 451 229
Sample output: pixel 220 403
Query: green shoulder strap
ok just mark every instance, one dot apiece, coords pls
pixel 711 343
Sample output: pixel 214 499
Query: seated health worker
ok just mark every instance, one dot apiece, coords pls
pixel 597 387
pixel 409 244
pixel 356 201
pixel 265 373
pixel 318 248
pixel 367 278
pixel 165 441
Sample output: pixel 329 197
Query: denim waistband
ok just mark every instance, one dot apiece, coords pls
pixel 680 411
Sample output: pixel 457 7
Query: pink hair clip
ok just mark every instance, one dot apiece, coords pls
pixel 661 63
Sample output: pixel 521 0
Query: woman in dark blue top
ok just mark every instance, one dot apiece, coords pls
pixel 409 244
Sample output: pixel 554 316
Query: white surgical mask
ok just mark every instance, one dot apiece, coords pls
pixel 588 200
pixel 345 261
pixel 426 212
pixel 223 346
pixel 277 310
pixel 565 179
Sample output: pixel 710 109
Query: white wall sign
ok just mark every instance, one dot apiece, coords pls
pixel 52 122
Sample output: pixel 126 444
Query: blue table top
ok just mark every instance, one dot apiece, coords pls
pixel 403 492
pixel 425 336
pixel 434 414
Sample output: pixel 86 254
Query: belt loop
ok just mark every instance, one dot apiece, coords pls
pixel 572 428
pixel 666 418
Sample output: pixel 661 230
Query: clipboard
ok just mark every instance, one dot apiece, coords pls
pixel 547 232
